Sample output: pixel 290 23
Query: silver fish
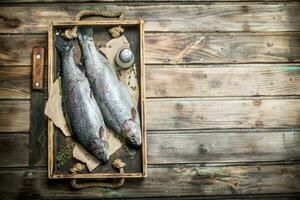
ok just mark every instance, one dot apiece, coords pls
pixel 112 96
pixel 80 107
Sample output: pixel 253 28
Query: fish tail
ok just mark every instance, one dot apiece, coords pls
pixel 63 46
pixel 85 33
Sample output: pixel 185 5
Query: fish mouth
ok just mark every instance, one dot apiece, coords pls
pixel 99 148
pixel 103 157
pixel 131 132
pixel 134 142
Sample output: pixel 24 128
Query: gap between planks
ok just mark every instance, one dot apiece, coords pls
pixel 146 2
pixel 160 49
pixel 187 180
pixel 190 81
pixel 248 146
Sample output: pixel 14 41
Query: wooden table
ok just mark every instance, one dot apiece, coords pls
pixel 222 88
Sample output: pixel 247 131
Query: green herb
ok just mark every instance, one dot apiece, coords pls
pixel 131 153
pixel 64 155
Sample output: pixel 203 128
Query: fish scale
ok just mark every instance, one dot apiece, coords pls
pixel 80 107
pixel 113 97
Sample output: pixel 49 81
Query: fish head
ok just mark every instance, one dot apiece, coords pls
pixel 99 148
pixel 132 132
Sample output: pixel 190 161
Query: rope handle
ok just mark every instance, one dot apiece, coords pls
pixel 117 164
pixel 115 31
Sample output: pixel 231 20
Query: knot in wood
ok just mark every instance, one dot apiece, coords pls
pixel 257 102
pixel 204 148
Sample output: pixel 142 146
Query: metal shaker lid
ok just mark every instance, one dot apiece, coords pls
pixel 126 55
pixel 125 58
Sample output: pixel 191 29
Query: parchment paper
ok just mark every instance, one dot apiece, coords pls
pixel 54 108
pixel 81 154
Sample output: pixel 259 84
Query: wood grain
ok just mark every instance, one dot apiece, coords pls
pixel 38 67
pixel 14 82
pixel 34 18
pixel 170 114
pixel 182 48
pixel 133 1
pixel 164 147
pixel 222 80
pixel 142 87
pixel 188 81
pixel 182 180
pixel 14 116
pixel 219 147
pixel 211 32
pixel 16 50
pixel 14 150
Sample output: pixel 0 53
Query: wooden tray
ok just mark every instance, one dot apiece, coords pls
pixel 135 168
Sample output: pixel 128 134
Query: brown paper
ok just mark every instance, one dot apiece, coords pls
pixel 81 154
pixel 54 109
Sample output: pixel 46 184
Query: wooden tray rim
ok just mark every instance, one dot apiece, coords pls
pixel 51 26
pixel 98 22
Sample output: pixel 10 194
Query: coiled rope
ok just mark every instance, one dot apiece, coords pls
pixel 114 31
pixel 117 164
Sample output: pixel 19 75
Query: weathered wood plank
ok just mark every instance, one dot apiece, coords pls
pixel 166 147
pixel 14 150
pixel 131 1
pixel 179 48
pixel 222 80
pixel 170 114
pixel 187 114
pixel 17 49
pixel 34 18
pixel 14 82
pixel 212 147
pixel 188 81
pixel 14 116
pixel 191 180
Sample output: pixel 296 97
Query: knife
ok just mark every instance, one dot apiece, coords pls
pixel 37 136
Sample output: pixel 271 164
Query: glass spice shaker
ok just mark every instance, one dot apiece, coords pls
pixel 124 58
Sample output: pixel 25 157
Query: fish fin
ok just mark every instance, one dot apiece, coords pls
pixel 91 93
pixel 103 54
pixel 85 33
pixel 133 113
pixel 82 61
pixel 101 132
pixel 63 46
pixel 81 67
pixel 119 73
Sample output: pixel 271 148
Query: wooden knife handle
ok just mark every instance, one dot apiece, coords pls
pixel 38 67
